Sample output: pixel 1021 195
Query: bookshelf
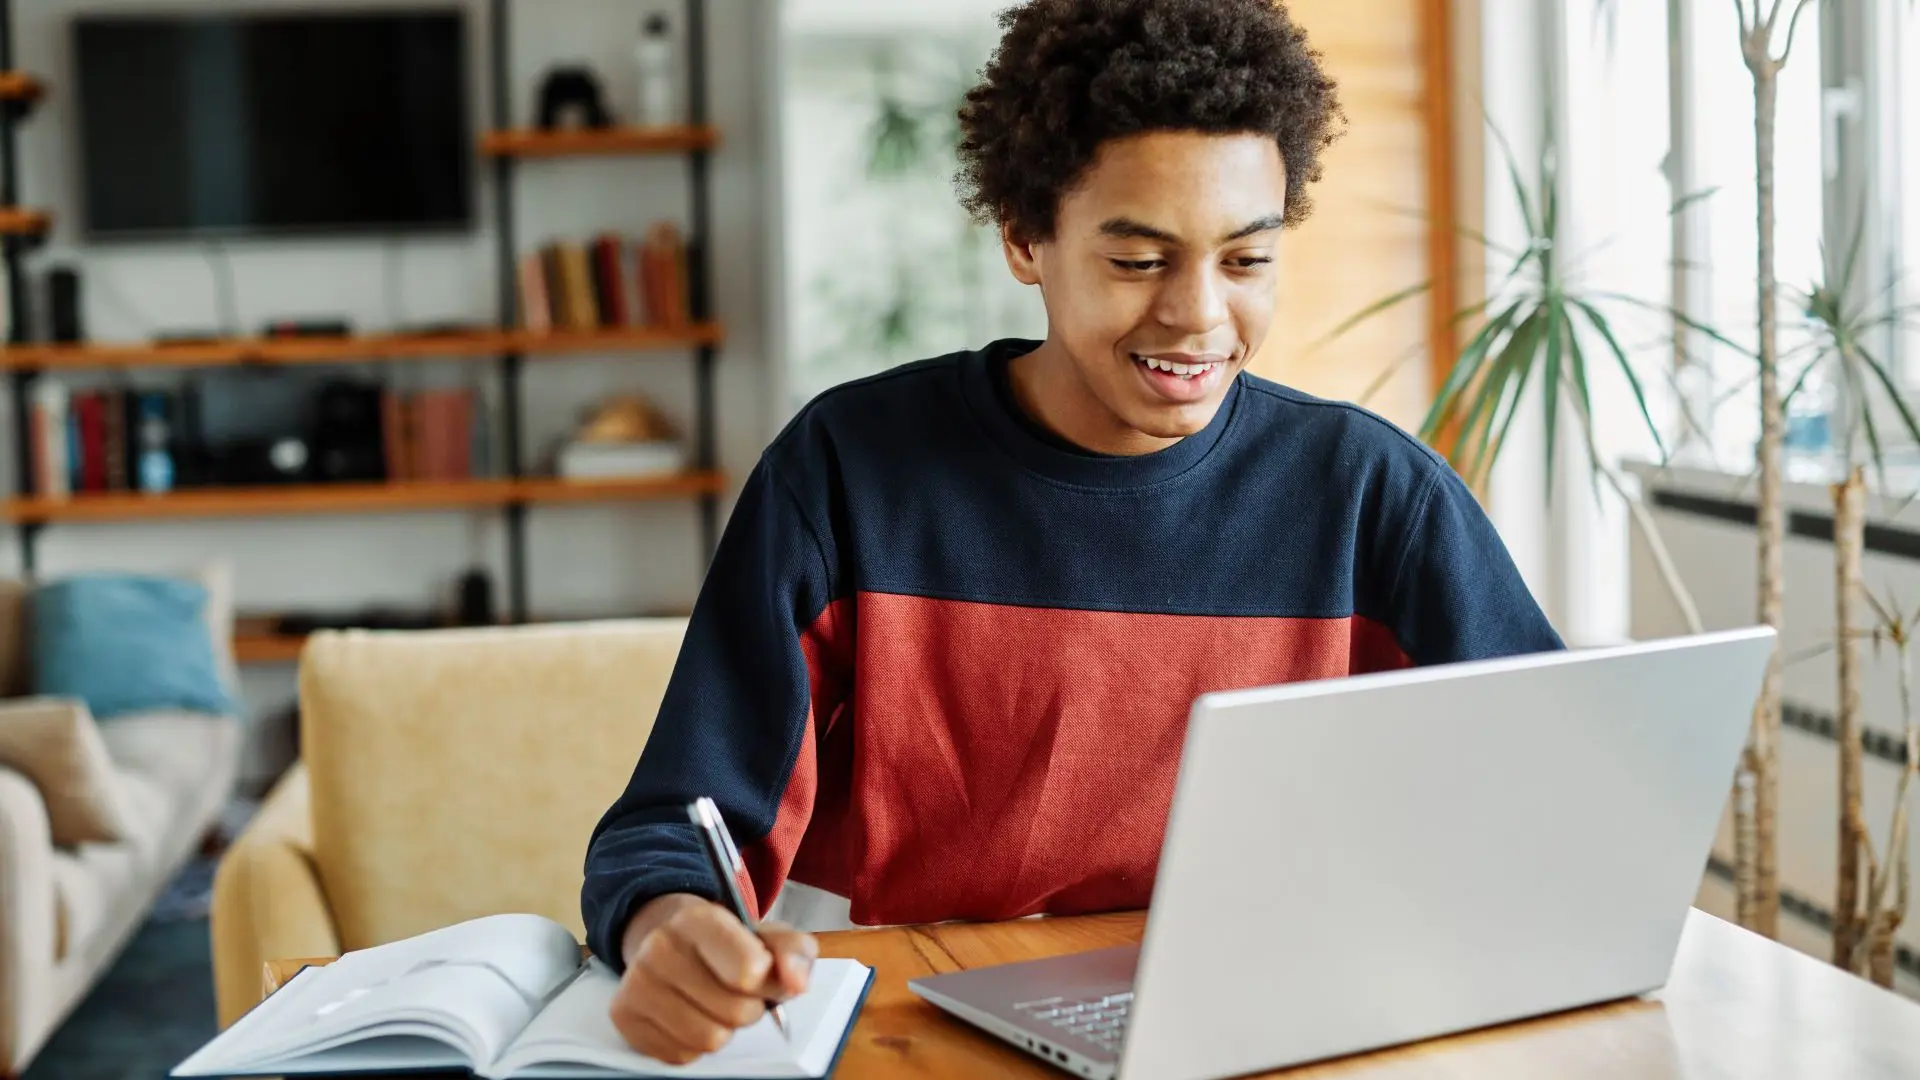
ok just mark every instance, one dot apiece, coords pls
pixel 475 344
pixel 503 342
pixel 679 138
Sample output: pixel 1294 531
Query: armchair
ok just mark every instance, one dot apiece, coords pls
pixel 444 775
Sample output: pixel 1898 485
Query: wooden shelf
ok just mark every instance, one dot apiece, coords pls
pixel 532 142
pixel 632 339
pixel 268 648
pixel 406 496
pixel 15 221
pixel 677 486
pixel 324 350
pixel 19 86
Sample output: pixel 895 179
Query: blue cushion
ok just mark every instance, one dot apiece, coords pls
pixel 126 643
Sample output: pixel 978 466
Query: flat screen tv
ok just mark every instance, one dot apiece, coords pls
pixel 259 124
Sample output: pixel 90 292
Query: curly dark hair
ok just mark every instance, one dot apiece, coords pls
pixel 1071 74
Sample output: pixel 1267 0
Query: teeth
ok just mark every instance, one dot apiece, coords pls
pixel 1185 371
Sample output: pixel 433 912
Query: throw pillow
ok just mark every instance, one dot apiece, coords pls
pixel 53 743
pixel 126 643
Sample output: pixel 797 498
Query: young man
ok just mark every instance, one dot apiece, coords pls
pixel 942 665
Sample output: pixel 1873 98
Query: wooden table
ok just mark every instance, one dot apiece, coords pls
pixel 1738 1006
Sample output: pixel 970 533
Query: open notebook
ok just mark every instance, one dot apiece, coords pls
pixel 506 996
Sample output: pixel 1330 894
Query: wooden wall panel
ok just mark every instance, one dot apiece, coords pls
pixel 1369 235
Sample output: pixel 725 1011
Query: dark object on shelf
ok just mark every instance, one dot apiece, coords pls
pixel 348 439
pixel 286 328
pixel 232 421
pixel 63 306
pixel 284 460
pixel 476 599
pixel 570 97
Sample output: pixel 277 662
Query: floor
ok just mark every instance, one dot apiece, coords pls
pixel 154 1008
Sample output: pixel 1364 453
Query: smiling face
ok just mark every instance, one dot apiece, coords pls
pixel 1159 282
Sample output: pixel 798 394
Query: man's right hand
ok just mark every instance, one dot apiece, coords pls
pixel 695 975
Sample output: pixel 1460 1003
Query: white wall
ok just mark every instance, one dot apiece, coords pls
pixel 582 560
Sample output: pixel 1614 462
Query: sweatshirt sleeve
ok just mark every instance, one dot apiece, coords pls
pixel 1456 594
pixel 758 663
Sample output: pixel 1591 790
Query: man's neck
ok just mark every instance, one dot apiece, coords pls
pixel 1048 388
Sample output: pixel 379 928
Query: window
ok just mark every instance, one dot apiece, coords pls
pixel 1904 110
pixel 1719 157
pixel 1619 188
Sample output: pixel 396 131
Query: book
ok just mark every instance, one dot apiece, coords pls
pixel 395 440
pixel 662 256
pixel 115 441
pixel 429 449
pixel 51 449
pixel 444 421
pixel 583 313
pixel 559 306
pixel 611 281
pixel 76 450
pixel 503 997
pixel 90 408
pixel 536 310
pixel 460 435
pixel 597 284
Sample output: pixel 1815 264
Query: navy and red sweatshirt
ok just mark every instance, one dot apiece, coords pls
pixel 942 663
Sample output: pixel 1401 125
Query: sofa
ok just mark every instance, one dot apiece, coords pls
pixel 443 775
pixel 67 910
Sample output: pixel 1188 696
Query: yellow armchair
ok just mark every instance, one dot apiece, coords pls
pixel 444 775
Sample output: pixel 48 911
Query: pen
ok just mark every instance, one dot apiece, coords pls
pixel 724 859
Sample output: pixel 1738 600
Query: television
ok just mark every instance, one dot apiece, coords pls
pixel 273 123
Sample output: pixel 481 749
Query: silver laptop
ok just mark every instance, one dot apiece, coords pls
pixel 1359 863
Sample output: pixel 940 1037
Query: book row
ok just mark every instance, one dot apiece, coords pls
pixel 609 282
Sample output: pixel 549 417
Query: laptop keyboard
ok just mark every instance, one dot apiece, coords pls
pixel 1099 1020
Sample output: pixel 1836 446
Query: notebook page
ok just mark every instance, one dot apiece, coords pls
pixel 473 986
pixel 576 1030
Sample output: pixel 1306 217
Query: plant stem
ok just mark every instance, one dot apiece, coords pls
pixel 1662 559
pixel 1643 521
pixel 1883 921
pixel 1849 538
pixel 1760 905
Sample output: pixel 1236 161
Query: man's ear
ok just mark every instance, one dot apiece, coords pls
pixel 1023 257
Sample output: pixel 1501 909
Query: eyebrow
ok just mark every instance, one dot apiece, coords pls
pixel 1129 229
